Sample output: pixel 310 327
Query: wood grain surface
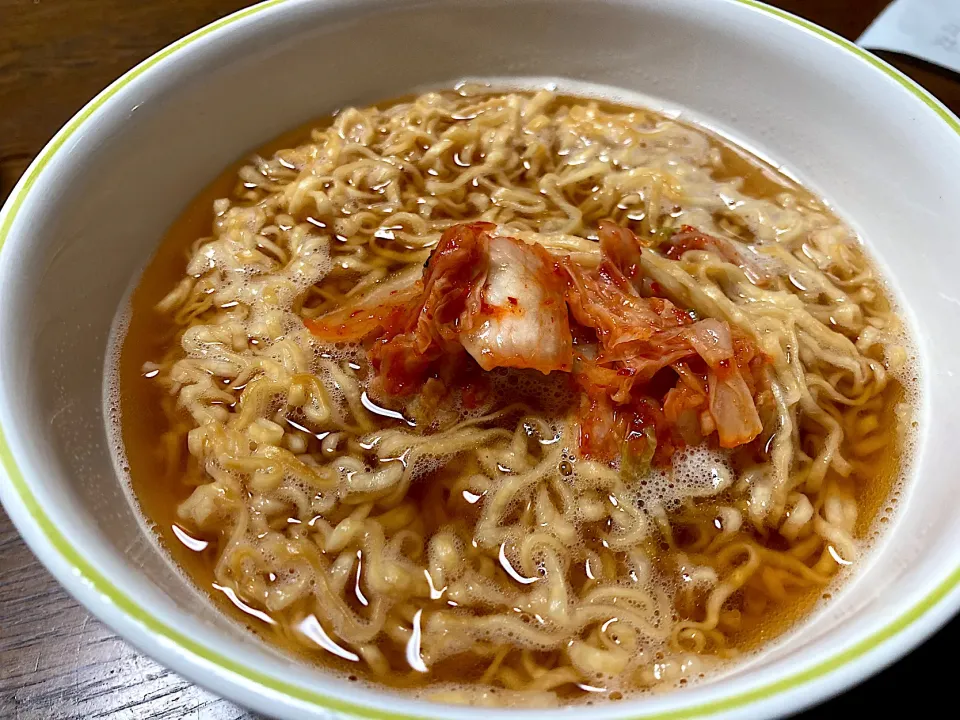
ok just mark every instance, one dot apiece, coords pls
pixel 56 661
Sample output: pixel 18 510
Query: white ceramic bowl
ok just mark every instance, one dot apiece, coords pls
pixel 87 215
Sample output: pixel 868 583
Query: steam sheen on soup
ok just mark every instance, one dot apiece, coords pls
pixel 513 398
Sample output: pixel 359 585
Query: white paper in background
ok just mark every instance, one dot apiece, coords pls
pixel 927 29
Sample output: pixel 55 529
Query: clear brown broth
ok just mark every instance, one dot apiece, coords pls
pixel 159 490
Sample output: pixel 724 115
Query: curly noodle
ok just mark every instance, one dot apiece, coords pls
pixel 481 535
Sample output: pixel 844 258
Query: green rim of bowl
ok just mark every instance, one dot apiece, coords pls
pixel 129 606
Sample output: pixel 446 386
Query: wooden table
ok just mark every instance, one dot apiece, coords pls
pixel 58 662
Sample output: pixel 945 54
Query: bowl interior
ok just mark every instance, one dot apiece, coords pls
pixel 101 202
